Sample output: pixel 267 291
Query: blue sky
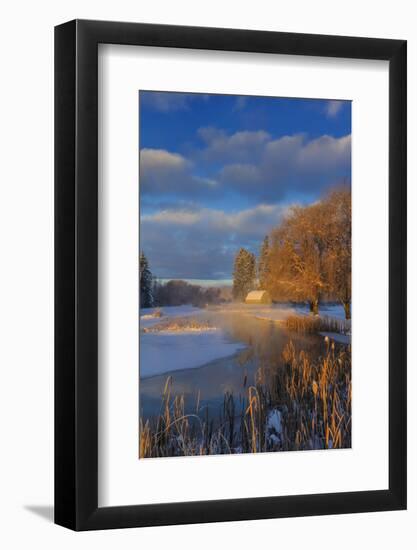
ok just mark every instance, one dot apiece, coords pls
pixel 218 172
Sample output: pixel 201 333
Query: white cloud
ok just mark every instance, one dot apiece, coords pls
pixel 152 159
pixel 253 222
pixel 201 244
pixel 220 146
pixel 175 217
pixel 166 173
pixel 333 108
pixel 325 152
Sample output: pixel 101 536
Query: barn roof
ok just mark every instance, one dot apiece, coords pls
pixel 256 294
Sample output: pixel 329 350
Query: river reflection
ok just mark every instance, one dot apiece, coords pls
pixel 204 387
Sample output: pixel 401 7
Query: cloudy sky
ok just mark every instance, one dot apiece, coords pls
pixel 218 172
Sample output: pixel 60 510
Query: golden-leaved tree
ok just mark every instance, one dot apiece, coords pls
pixel 310 253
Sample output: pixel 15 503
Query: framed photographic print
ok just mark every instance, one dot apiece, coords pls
pixel 230 338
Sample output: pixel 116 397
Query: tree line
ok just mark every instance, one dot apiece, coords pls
pixel 306 258
pixel 172 293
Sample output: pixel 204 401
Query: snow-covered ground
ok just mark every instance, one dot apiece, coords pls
pixel 279 312
pixel 331 311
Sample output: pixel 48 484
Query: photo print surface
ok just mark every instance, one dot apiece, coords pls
pixel 244 274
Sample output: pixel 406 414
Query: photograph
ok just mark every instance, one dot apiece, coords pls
pixel 244 273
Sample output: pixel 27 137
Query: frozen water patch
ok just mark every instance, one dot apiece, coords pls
pixel 168 352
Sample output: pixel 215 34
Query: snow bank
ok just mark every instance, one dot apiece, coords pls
pixel 148 317
pixel 334 311
pixel 279 312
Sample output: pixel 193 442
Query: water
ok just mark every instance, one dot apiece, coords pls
pixel 206 385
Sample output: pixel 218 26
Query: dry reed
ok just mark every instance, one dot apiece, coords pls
pixel 180 324
pixel 313 324
pixel 302 403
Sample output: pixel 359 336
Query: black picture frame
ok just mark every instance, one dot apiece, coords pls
pixel 76 272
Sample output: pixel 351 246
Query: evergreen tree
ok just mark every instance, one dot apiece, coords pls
pixel 238 276
pixel 251 272
pixel 244 274
pixel 146 282
pixel 263 264
pixel 156 286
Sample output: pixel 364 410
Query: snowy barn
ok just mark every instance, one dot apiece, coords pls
pixel 258 297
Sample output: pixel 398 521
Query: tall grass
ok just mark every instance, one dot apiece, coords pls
pixel 312 325
pixel 301 403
